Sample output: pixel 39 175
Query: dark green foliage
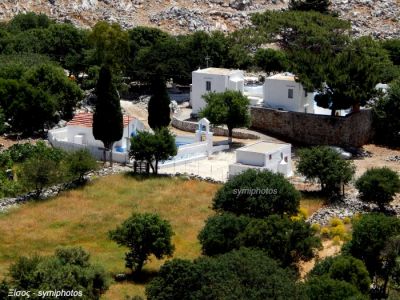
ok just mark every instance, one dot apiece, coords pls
pixel 393 47
pixel 54 82
pixel 38 173
pixel 325 165
pixel 165 59
pixel 378 185
pixel 311 41
pixel 4 290
pixel 353 75
pixel 344 268
pixel 110 46
pixel 28 21
pixel 2 121
pixel 240 274
pixel 159 110
pixel 282 239
pixel 67 44
pixel 318 288
pixel 144 235
pixel 79 163
pixel 21 152
pixel 257 194
pixel 386 121
pixel 28 109
pixel 370 235
pixel 69 269
pixel 270 60
pixel 153 147
pixel 229 108
pixel 391 269
pixel 221 233
pixel 321 6
pixel 107 119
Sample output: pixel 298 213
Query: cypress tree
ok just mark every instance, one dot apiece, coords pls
pixel 159 110
pixel 107 118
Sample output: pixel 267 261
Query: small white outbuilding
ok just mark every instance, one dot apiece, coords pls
pixel 282 91
pixel 213 80
pixel 274 157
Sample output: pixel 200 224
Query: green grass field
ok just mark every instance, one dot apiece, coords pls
pixel 84 216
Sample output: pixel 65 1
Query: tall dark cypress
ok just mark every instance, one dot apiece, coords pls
pixel 159 105
pixel 107 119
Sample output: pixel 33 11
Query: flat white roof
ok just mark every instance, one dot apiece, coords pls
pixel 216 71
pixel 283 76
pixel 263 147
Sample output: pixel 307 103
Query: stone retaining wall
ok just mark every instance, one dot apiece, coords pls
pixel 192 127
pixel 354 130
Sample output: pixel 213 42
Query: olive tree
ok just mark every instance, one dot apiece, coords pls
pixel 144 234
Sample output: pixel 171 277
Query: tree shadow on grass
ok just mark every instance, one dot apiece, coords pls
pixel 143 277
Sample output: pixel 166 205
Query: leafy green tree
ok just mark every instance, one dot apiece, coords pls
pixel 229 108
pixel 386 111
pixel 110 46
pixel 221 233
pixel 163 59
pixel 2 121
pixel 370 235
pixel 324 287
pixel 282 239
pixel 107 119
pixel 69 269
pixel 393 47
pixel 311 41
pixel 344 268
pixel 67 45
pixel 153 147
pixel 353 75
pixel 37 173
pixel 28 21
pixel 321 6
pixel 378 185
pixel 27 108
pixel 257 194
pixel 30 41
pixel 270 60
pixel 79 163
pixel 325 165
pixel 391 264
pixel 53 81
pixel 144 234
pixel 206 49
pixel 159 105
pixel 239 274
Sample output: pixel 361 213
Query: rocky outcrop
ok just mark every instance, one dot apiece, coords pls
pixel 379 18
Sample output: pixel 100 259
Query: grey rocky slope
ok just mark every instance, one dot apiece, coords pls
pixel 377 17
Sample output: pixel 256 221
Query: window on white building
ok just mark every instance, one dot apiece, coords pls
pixel 290 93
pixel 208 86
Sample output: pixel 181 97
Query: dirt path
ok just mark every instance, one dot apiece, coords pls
pixel 329 249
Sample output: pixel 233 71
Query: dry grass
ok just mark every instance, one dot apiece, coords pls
pixel 83 217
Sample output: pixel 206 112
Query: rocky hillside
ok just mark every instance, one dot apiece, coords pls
pixel 378 17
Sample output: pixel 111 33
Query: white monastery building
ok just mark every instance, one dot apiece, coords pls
pixel 281 91
pixel 263 155
pixel 78 134
pixel 213 80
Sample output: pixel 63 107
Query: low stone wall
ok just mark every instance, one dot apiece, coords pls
pixel 192 127
pixel 354 130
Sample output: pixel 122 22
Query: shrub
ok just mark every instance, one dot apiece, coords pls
pixel 335 222
pixel 338 230
pixel 79 163
pixel 325 232
pixel 69 269
pixel 316 227
pixel 257 194
pixel 378 185
pixel 346 220
pixel 324 287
